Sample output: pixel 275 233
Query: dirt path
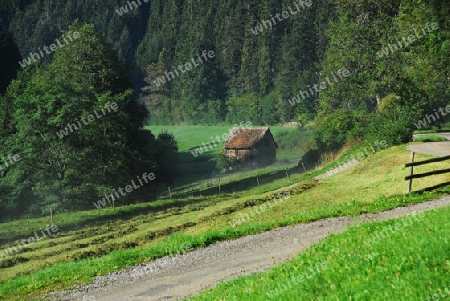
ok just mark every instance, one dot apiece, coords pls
pixel 173 278
pixel 340 168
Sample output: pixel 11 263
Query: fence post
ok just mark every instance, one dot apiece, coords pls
pixel 257 179
pixel 287 174
pixel 170 194
pixel 219 185
pixel 411 172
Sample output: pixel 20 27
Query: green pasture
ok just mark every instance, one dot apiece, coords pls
pixel 97 242
pixel 197 173
pixel 412 263
pixel 192 137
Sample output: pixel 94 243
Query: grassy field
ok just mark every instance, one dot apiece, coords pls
pixel 201 171
pixel 411 264
pixel 96 242
pixel 191 137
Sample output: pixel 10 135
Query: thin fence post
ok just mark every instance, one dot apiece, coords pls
pixel 257 179
pixel 304 169
pixel 287 174
pixel 219 185
pixel 170 194
pixel 51 216
pixel 411 172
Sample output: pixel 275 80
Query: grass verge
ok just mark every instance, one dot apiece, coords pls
pixel 411 264
pixel 431 138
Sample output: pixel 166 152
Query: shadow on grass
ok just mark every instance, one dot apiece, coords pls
pixel 428 189
pixel 248 182
pixel 125 213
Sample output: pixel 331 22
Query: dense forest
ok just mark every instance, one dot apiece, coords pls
pixel 258 70
pixel 352 68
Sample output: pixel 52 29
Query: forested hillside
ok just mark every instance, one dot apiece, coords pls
pixel 351 68
pixel 153 37
pixel 262 60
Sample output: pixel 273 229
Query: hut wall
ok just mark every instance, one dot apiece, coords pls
pixel 267 150
pixel 264 153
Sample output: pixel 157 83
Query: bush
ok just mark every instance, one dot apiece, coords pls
pixel 310 158
pixel 394 125
pixel 224 163
pixel 335 130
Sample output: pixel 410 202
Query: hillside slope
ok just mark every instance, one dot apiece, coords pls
pixel 97 242
pixel 185 275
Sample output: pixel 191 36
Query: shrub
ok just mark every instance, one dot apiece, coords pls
pixel 224 163
pixel 310 158
pixel 335 130
pixel 394 125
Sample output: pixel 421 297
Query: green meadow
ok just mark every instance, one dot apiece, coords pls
pixel 201 168
pixel 96 242
pixel 412 263
pixel 191 137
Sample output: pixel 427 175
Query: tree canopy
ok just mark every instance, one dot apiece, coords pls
pixel 77 128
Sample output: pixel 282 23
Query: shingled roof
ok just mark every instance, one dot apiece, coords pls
pixel 245 138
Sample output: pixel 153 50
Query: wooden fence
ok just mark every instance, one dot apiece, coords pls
pixel 425 174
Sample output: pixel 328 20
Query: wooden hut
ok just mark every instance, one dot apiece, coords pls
pixel 254 146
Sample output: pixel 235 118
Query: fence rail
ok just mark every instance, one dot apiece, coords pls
pixel 425 174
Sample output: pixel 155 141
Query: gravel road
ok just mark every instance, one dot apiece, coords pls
pixel 174 278
pixel 431 148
